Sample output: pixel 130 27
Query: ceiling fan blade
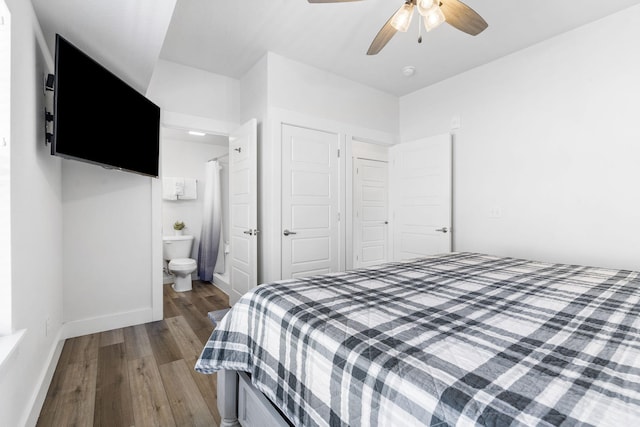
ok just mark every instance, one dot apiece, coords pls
pixel 330 1
pixel 462 17
pixel 382 38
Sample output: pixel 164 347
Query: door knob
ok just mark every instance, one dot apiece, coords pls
pixel 249 232
pixel 442 230
pixel 287 232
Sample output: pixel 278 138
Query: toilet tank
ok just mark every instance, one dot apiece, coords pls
pixel 176 247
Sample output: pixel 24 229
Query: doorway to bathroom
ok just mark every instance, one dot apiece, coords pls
pixel 189 159
pixel 183 157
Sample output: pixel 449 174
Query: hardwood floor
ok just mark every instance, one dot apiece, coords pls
pixel 141 375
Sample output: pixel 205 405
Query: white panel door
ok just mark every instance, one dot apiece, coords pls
pixel 370 212
pixel 421 196
pixel 243 201
pixel 310 202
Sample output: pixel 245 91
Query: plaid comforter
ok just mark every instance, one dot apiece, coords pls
pixel 462 339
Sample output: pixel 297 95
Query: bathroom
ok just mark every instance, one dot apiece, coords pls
pixel 184 157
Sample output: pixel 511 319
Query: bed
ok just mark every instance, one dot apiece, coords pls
pixel 456 339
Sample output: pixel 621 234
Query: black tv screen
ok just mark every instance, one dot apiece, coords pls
pixel 100 119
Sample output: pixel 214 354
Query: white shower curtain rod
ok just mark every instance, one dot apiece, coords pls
pixel 219 157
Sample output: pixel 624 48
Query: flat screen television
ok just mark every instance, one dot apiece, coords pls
pixel 100 119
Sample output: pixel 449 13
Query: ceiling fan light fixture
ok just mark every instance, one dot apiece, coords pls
pixel 434 18
pixel 424 6
pixel 402 18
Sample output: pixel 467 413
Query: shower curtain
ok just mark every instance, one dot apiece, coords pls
pixel 209 251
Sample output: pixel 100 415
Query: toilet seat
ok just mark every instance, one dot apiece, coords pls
pixel 182 264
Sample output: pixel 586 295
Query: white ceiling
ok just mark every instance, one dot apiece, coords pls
pixel 228 37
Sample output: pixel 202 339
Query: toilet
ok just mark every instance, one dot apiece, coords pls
pixel 176 251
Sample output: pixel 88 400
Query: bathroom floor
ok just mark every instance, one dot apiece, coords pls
pixel 140 375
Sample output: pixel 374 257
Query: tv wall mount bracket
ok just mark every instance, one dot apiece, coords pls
pixel 48 116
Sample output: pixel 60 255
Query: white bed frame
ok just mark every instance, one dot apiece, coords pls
pixel 241 404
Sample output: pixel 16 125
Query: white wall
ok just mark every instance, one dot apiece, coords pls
pixel 36 228
pixel 5 172
pixel 107 258
pixel 178 88
pixel 254 91
pixel 183 158
pixel 308 90
pixel 549 144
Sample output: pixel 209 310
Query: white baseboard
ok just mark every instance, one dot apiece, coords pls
pixel 42 386
pixel 93 325
pixel 222 283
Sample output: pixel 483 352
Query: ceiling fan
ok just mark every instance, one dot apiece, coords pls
pixel 433 13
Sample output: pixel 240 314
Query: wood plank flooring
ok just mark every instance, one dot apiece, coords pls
pixel 141 375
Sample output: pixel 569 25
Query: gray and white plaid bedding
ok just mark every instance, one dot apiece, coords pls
pixel 462 338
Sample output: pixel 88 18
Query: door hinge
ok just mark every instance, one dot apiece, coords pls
pixel 338 216
pixel 338 152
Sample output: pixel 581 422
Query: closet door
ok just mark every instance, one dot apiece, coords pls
pixel 421 197
pixel 310 202
pixel 370 212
